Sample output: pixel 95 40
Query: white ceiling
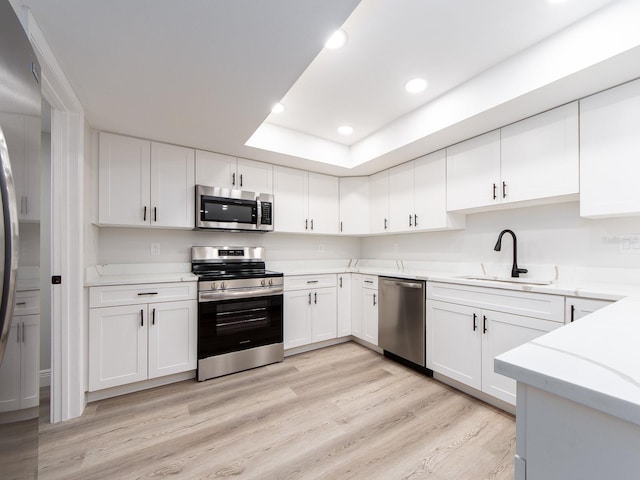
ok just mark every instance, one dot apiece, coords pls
pixel 205 73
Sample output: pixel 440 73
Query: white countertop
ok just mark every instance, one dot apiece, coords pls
pixel 129 274
pixel 594 361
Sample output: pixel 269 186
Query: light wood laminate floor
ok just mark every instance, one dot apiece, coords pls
pixel 343 412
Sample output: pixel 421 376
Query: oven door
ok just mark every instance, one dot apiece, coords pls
pixel 226 326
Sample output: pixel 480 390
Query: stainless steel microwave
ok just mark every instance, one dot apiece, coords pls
pixel 233 210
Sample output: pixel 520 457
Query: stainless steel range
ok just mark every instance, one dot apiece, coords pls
pixel 239 310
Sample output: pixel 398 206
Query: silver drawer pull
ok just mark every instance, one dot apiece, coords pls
pixel 312 281
pixel 368 281
pixel 147 293
pixel 21 303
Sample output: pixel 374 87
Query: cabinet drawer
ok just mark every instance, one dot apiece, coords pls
pixel 300 282
pixel 539 305
pixel 370 281
pixel 114 295
pixel 27 302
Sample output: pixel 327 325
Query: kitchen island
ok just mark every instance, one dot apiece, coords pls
pixel 578 400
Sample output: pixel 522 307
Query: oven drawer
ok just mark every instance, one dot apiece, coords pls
pixel 114 295
pixel 302 282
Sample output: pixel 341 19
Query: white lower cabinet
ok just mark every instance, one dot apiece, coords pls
pixel 465 336
pixel 310 309
pixel 576 308
pixel 344 304
pixel 131 343
pixel 20 370
pixel 367 323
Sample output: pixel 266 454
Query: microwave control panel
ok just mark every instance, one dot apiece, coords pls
pixel 266 218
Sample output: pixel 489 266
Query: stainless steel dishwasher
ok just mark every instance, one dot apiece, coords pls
pixel 401 319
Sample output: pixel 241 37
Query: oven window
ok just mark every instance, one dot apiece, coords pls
pixel 232 325
pixel 221 210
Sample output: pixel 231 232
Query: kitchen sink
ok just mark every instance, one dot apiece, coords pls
pixel 489 278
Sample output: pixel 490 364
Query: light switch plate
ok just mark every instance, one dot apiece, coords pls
pixel 155 249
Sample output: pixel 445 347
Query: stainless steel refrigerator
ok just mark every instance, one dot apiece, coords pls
pixel 20 104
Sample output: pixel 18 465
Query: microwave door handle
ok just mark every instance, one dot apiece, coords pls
pixel 258 212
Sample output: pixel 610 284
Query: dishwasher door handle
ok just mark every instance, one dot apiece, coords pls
pixel 403 284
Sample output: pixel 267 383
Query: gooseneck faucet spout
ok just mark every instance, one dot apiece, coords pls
pixel 515 271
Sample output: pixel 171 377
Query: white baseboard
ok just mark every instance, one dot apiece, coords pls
pixel 45 377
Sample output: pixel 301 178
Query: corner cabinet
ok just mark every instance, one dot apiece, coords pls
pixel 467 327
pixel 305 202
pixel 610 152
pixel 354 205
pixel 530 162
pixel 417 196
pixel 143 183
pixel 217 170
pixel 310 309
pixel 139 332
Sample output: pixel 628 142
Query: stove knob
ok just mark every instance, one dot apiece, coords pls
pixel 222 285
pixel 262 282
pixel 270 281
pixel 213 285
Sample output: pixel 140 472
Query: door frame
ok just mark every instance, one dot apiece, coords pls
pixel 68 323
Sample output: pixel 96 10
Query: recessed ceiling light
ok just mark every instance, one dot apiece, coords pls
pixel 416 85
pixel 336 40
pixel 277 108
pixel 345 129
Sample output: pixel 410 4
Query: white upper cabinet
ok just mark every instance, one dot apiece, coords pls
pixel 417 196
pixel 401 200
pixel 473 172
pixel 145 184
pixel 535 161
pixel 291 198
pixel 22 134
pixel 610 152
pixel 124 180
pixel 172 186
pixel 305 202
pixel 354 205
pixel 540 156
pixel 217 170
pixel 324 204
pixel 379 202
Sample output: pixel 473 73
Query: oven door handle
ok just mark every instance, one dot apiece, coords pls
pixel 239 293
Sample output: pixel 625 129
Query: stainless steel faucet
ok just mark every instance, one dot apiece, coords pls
pixel 515 271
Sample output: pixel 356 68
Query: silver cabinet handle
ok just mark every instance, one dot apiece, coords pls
pixel 315 298
pixel 374 299
pixel 411 220
pixel 415 219
pixel 340 282
pixel 312 224
pixel 309 298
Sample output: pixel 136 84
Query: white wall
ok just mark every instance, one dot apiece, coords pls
pixel 133 245
pixel 550 234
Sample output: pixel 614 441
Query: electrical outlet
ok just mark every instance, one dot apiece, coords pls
pixel 395 248
pixel 629 244
pixel 155 249
pixel 321 247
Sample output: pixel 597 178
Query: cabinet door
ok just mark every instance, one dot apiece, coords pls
pixel 430 212
pixel 576 308
pixel 323 204
pixel 454 342
pixel 344 304
pixel 124 180
pixel 30 362
pixel 117 346
pixel 540 155
pixel 290 191
pixel 610 152
pixel 215 170
pixel 172 337
pixel 473 172
pixel 356 305
pixel 354 205
pixel 401 203
pixel 379 202
pixel 297 318
pixel 505 331
pixel 370 315
pixel 255 176
pixel 324 314
pixel 10 372
pixel 172 186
